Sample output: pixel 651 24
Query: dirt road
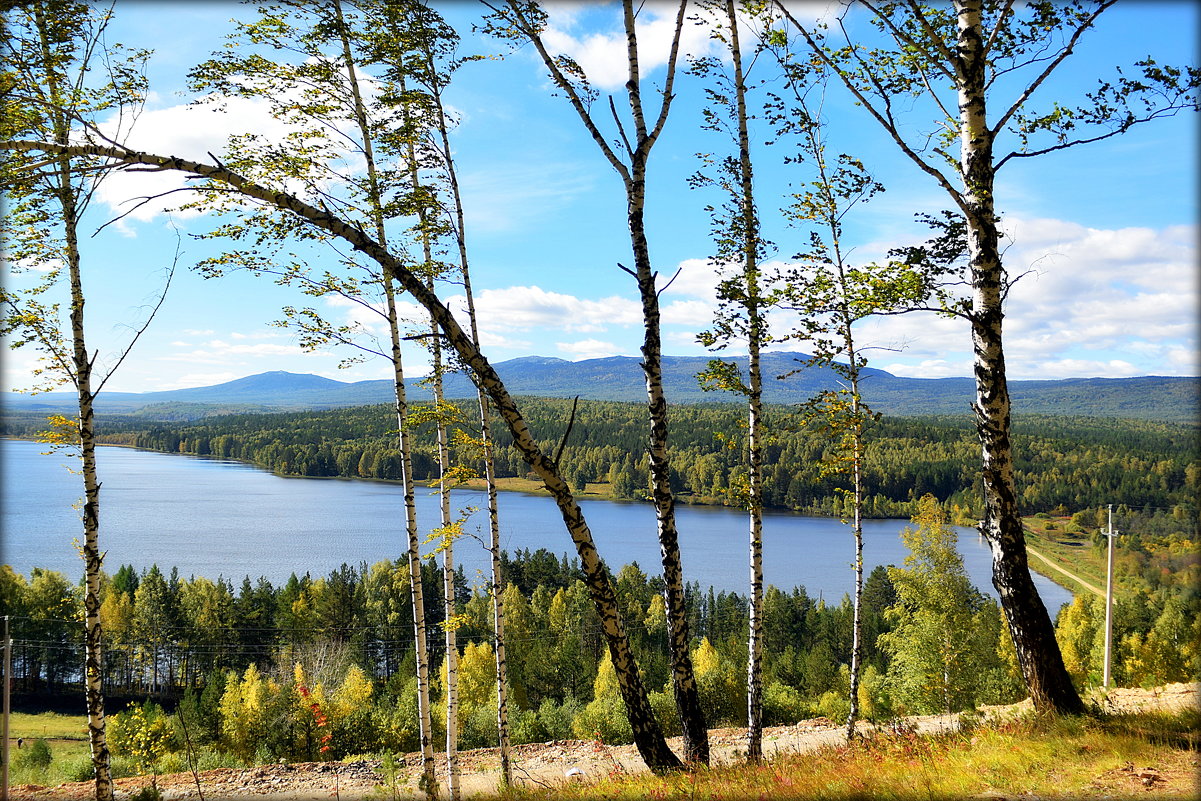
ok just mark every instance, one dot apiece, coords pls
pixel 1072 576
pixel 546 764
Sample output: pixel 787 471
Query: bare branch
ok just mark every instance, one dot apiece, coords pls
pixel 1037 82
pixel 153 312
pixel 567 433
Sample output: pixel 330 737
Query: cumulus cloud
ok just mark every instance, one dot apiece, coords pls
pixel 599 47
pixel 1086 302
pixel 532 307
pixel 589 349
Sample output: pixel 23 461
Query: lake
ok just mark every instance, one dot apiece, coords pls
pixel 214 518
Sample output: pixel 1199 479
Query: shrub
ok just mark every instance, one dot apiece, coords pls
pixel 556 719
pixel 664 704
pixel 834 705
pixel 479 729
pixel 604 717
pixel 526 727
pixel 782 704
pixel 38 756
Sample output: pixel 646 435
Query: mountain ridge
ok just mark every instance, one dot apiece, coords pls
pixel 620 378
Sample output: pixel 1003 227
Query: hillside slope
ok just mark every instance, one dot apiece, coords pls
pixel 619 378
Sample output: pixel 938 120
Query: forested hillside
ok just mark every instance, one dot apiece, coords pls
pixel 1063 464
pixel 619 378
pixel 236 658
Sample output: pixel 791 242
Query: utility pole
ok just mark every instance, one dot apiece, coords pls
pixel 1111 535
pixel 8 664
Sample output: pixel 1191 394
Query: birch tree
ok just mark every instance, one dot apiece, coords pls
pixel 629 155
pixel 439 61
pixel 223 179
pixel 831 296
pixel 745 298
pixel 956 61
pixel 60 75
pixel 335 115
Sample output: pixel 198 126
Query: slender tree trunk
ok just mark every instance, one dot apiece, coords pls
pixel 448 563
pixel 93 635
pixel 696 734
pixel 856 526
pixel 428 781
pixel 648 735
pixel 82 375
pixel 756 331
pixel 489 448
pixel 448 553
pixel 754 667
pixel 1033 634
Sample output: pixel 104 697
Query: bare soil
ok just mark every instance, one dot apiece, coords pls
pixel 553 763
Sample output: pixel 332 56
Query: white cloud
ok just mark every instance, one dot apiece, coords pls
pixel 195 132
pixel 189 380
pixel 589 349
pixel 602 53
pixel 1089 302
pixel 531 307
pixel 695 278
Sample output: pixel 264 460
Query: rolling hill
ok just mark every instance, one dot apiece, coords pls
pixel 620 378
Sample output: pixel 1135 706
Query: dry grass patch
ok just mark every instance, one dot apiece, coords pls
pixel 1056 758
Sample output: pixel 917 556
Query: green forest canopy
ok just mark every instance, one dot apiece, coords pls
pixel 1063 464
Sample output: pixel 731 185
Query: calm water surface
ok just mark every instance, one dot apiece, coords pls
pixel 217 518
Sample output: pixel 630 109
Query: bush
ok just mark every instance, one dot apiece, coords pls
pixel 556 719
pixel 604 717
pixel 664 704
pixel 782 705
pixel 479 730
pixel 79 770
pixel 526 727
pixel 834 705
pixel 37 756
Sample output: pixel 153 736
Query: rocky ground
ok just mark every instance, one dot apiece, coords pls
pixel 556 762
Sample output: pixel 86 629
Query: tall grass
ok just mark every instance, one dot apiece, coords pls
pixel 1049 757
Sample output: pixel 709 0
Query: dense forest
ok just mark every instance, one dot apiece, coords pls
pixel 245 662
pixel 1063 464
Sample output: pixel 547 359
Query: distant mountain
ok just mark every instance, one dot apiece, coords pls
pixel 620 378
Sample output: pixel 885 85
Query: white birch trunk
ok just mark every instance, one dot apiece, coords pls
pixel 648 736
pixel 428 780
pixel 756 332
pixel 1038 654
pixel 69 205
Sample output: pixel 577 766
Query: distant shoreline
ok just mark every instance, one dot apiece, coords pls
pixel 519 485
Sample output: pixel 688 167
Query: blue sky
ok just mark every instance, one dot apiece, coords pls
pixel 1105 235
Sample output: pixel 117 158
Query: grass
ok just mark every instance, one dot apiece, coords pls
pixel 47 725
pixel 66 738
pixel 1073 552
pixel 1076 757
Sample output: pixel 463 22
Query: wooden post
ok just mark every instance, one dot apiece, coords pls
pixel 1110 535
pixel 8 662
